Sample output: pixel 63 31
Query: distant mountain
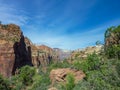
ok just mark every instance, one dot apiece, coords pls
pixel 63 54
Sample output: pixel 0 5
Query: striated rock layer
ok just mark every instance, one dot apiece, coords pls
pixel 17 51
pixel 6 59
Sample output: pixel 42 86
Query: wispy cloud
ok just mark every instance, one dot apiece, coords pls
pixel 58 23
pixel 71 41
pixel 10 14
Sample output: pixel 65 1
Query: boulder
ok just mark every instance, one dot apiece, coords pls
pixel 59 75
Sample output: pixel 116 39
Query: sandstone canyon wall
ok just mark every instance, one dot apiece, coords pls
pixel 17 51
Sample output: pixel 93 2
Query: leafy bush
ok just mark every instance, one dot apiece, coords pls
pixel 69 84
pixel 23 79
pixel 4 84
pixel 41 82
pixel 81 65
pixel 94 62
pixel 63 64
pixel 91 63
pixel 26 74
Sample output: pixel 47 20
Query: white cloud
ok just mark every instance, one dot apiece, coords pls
pixel 10 14
pixel 70 41
pixel 54 35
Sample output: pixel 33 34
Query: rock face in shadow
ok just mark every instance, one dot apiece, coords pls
pixel 17 51
pixel 22 55
pixel 13 50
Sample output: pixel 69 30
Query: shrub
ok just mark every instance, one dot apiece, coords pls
pixel 41 82
pixel 26 74
pixel 69 84
pixel 63 64
pixel 91 63
pixel 4 84
pixel 94 62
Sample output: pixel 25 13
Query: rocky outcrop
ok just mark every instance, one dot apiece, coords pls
pixel 43 55
pixel 22 54
pixel 9 34
pixel 59 75
pixel 84 52
pixel 17 51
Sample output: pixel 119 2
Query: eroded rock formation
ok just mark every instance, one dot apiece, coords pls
pixel 8 35
pixel 22 54
pixel 59 75
pixel 43 55
pixel 17 51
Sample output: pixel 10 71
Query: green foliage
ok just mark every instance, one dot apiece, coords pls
pixel 24 78
pixel 106 78
pixel 113 51
pixel 69 84
pixel 63 64
pixel 101 73
pixel 94 62
pixel 118 68
pixel 4 85
pixel 41 82
pixel 112 42
pixel 81 65
pixel 26 74
pixel 91 63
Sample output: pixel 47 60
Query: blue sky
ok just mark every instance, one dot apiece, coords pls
pixel 66 24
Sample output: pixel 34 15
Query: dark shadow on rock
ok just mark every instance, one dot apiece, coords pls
pixel 22 55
